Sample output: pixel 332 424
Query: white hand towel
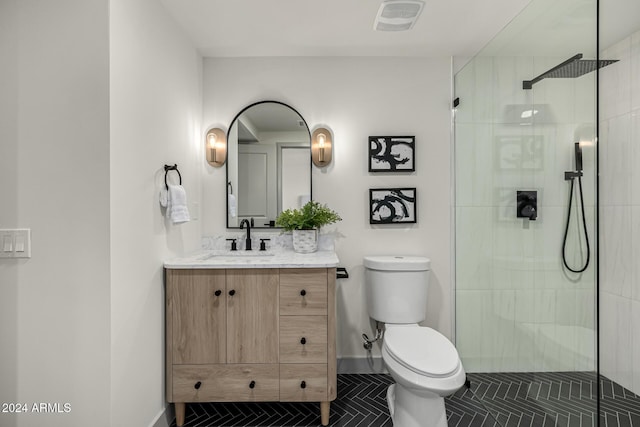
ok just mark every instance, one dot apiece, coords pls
pixel 164 197
pixel 177 204
pixel 232 205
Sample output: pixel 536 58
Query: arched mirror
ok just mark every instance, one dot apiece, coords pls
pixel 268 163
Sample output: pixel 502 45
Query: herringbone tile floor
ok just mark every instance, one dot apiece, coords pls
pixel 494 400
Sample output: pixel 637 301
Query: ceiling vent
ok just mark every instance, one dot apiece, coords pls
pixel 397 15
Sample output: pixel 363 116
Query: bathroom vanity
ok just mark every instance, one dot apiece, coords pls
pixel 250 329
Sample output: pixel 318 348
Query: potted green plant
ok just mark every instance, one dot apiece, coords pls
pixel 305 222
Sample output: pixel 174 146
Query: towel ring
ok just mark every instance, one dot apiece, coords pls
pixel 168 168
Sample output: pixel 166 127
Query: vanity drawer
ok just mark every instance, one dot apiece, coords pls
pixel 303 291
pixel 225 383
pixel 303 339
pixel 303 382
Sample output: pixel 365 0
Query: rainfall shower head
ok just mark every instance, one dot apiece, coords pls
pixel 570 69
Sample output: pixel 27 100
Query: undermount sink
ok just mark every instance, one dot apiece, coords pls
pixel 236 254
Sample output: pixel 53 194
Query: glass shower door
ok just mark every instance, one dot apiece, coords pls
pixel 525 323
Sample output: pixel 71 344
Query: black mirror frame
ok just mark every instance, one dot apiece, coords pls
pixel 226 168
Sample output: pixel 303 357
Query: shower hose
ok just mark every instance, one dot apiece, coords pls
pixel 584 226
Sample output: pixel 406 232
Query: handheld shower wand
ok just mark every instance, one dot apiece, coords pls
pixel 578 156
pixel 571 176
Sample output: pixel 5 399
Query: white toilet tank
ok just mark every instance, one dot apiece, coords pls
pixel 396 288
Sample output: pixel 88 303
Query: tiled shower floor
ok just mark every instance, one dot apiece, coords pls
pixel 515 400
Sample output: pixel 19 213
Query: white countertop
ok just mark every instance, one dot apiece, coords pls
pixel 254 259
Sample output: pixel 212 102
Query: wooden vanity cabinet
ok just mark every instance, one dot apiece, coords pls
pixel 250 335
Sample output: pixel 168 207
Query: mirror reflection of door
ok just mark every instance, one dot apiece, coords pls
pixel 256 186
pixel 268 163
pixel 294 171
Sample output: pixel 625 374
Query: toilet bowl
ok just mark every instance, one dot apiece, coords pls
pixel 426 368
pixel 424 363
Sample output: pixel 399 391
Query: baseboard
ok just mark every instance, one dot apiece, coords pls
pixel 361 365
pixel 164 418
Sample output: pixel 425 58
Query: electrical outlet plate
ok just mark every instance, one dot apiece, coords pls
pixel 15 243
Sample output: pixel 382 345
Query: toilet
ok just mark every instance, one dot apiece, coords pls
pixel 425 365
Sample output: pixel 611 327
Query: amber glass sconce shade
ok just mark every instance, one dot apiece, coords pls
pixel 321 147
pixel 216 147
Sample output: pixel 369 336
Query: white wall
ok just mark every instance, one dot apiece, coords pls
pixel 620 214
pixel 156 108
pixel 356 97
pixel 54 161
pixel 9 45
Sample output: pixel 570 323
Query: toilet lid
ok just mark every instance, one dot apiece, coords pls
pixel 422 350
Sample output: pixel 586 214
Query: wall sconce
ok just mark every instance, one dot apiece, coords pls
pixel 321 147
pixel 216 147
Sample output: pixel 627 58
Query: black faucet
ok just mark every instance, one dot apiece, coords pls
pixel 247 243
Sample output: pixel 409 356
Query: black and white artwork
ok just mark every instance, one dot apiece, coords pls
pixel 392 153
pixel 392 205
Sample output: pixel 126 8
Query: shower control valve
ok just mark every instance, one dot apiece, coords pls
pixel 527 205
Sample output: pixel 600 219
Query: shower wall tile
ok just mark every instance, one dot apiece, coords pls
pixel 624 344
pixel 464 86
pixel 481 342
pixel 474 247
pixel 635 255
pixel 473 160
pixel 507 85
pixel 469 335
pixel 556 93
pixel 616 339
pixel 534 306
pixel 615 160
pixel 615 80
pixel 557 142
pixel 576 308
pixel 620 220
pixel 635 71
pixel 584 100
pixel 483 94
pixel 616 251
pixel 635 343
pixel 634 154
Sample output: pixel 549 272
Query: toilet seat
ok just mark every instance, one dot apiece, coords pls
pixel 422 350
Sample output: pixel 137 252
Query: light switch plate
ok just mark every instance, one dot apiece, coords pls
pixel 15 243
pixel 6 244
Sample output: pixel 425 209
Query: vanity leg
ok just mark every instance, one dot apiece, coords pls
pixel 324 413
pixel 180 410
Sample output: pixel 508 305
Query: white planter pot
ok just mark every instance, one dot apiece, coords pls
pixel 305 241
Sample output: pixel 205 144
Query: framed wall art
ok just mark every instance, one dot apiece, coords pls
pixel 392 205
pixel 392 153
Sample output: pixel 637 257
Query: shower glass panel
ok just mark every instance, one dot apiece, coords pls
pixel 525 324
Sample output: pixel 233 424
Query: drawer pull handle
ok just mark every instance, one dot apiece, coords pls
pixel 232 292
pixel 252 384
pixel 303 384
pixel 197 385
pixel 218 293
pixel 303 340
pixel 303 292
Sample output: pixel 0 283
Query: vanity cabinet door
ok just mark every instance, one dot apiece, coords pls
pixel 196 301
pixel 252 316
pixel 303 383
pixel 303 291
pixel 303 339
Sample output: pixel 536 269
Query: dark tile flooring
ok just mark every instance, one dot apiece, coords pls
pixel 494 400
